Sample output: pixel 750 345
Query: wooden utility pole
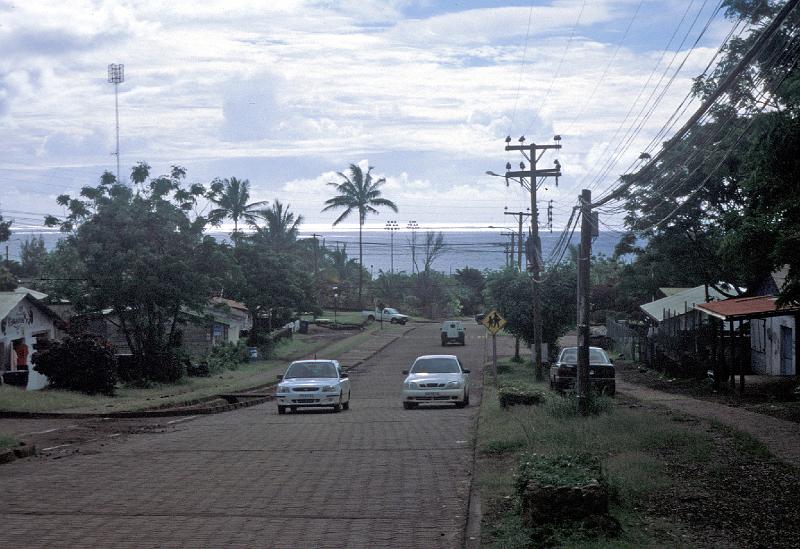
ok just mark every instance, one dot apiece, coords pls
pixel 535 259
pixel 519 216
pixel 584 256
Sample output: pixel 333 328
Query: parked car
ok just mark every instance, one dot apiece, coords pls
pixel 436 379
pixel 386 314
pixel 563 373
pixel 453 332
pixel 313 383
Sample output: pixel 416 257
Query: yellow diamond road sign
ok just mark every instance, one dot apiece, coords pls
pixel 494 322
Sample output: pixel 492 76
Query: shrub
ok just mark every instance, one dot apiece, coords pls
pixel 561 470
pixel 161 367
pixel 227 356
pixel 84 362
pixel 197 369
pixel 519 394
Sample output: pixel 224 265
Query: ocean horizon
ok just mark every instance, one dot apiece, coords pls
pixel 478 249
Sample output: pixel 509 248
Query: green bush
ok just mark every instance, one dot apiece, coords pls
pixel 160 367
pixel 85 363
pixel 561 470
pixel 519 394
pixel 227 356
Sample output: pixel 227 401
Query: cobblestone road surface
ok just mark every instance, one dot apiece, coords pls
pixel 373 476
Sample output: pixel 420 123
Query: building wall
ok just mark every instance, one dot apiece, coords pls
pixel 26 321
pixel 766 345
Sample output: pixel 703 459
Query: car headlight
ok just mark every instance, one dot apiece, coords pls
pixel 454 384
pixel 410 385
pixel 328 388
pixel 282 389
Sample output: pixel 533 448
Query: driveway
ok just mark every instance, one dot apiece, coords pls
pixel 373 476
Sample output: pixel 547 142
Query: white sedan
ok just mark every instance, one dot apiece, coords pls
pixel 436 379
pixel 313 383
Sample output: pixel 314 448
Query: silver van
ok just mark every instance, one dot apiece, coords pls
pixel 453 332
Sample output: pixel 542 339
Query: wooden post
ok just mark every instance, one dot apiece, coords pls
pixel 494 358
pixel 732 370
pixel 742 364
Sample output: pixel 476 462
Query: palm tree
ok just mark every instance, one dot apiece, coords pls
pixel 282 225
pixel 231 196
pixel 358 193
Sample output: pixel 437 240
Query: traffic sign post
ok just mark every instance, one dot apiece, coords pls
pixel 494 323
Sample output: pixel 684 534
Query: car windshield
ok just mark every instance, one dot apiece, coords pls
pixel 596 356
pixel 311 369
pixel 391 311
pixel 436 366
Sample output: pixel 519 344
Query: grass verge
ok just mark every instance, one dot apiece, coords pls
pixel 633 445
pixel 128 399
pixel 8 442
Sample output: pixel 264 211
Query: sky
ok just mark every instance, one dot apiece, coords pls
pixel 285 93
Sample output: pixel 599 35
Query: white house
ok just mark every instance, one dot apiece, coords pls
pixel 25 322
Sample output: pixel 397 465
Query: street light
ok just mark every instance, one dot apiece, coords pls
pixel 116 75
pixel 392 226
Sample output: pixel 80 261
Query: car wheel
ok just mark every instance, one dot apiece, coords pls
pixel 293 409
pixel 393 321
pixel 338 407
pixel 466 398
pixel 281 410
pixel 346 405
pixel 371 317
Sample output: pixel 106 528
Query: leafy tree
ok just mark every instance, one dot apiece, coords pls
pixel 511 292
pixel 140 255
pixel 472 283
pixel 32 254
pixel 358 193
pixel 231 197
pixel 721 205
pixel 5 229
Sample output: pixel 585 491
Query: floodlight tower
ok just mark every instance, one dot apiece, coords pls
pixel 392 226
pixel 116 75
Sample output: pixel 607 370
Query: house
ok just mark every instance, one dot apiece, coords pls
pixel 773 329
pixel 235 314
pixel 222 321
pixel 25 324
pixel 677 310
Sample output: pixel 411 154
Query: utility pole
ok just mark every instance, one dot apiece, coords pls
pixel 316 262
pixel 510 251
pixel 519 216
pixel 413 226
pixel 392 226
pixel 535 258
pixel 584 256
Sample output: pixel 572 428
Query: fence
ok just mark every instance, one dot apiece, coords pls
pixel 684 347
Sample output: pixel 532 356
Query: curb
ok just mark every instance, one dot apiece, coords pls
pixel 184 410
pixel 19 452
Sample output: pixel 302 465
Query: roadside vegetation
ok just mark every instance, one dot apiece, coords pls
pixel 671 479
pixel 233 378
pixel 7 441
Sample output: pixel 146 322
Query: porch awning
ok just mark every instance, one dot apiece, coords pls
pixel 742 308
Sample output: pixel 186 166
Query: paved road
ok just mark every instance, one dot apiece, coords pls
pixel 374 476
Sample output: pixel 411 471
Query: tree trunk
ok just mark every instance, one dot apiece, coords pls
pixel 360 262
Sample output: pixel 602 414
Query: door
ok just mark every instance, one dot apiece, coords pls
pixel 786 350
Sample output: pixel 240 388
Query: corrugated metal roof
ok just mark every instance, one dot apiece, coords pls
pixel 679 303
pixel 746 307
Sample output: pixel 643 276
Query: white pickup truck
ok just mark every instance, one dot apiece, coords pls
pixel 387 314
